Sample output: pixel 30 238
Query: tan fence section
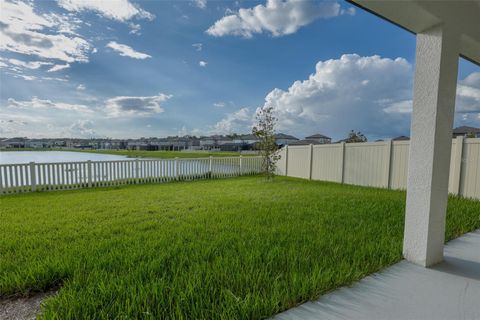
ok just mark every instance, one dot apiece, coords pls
pixel 378 164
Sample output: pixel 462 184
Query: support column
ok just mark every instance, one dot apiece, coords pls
pixel 429 160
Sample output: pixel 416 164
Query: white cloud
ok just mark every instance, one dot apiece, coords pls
pixel 59 67
pixel 124 106
pixel 23 76
pixel 28 65
pixel 45 104
pixel 371 94
pixel 82 128
pixel 236 122
pixel 135 28
pixel 349 11
pixel 219 104
pixel 202 4
pixel 404 106
pixel 9 126
pixel 81 87
pixel 53 79
pixel 344 94
pixel 468 92
pixel 120 10
pixel 468 99
pixel 203 63
pixel 127 51
pixel 198 46
pixel 48 36
pixel 276 17
pixel 472 79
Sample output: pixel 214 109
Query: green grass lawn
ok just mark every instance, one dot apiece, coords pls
pixel 143 154
pixel 218 249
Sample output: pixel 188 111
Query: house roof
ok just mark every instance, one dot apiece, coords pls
pixel 401 138
pixel 15 139
pixel 304 142
pixel 284 136
pixel 465 129
pixel 317 136
pixel 247 137
pixel 417 16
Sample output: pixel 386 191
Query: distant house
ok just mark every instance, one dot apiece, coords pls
pixel 13 143
pixel 246 138
pixel 282 139
pixel 401 138
pixel 304 142
pixel 213 142
pixel 232 146
pixel 466 132
pixel 37 144
pixel 320 138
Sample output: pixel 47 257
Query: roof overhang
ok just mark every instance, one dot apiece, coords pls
pixel 419 15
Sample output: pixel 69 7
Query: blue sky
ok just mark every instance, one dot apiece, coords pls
pixel 127 69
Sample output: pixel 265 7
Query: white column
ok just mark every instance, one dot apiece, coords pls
pixel 429 160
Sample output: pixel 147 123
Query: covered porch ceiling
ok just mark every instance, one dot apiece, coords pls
pixel 418 15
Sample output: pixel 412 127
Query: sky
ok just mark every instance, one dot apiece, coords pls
pixel 131 69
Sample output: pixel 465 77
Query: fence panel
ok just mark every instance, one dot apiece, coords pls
pixel 327 162
pixel 299 161
pixel 365 163
pixel 399 165
pixel 380 164
pixel 470 174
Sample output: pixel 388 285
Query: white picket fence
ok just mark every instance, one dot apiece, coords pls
pixel 15 178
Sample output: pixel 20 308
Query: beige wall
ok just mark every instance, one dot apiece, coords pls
pixel 378 164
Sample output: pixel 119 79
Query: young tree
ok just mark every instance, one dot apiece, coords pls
pixel 264 130
pixel 356 137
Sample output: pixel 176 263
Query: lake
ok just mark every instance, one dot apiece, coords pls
pixel 10 157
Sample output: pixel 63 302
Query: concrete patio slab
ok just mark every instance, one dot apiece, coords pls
pixel 449 290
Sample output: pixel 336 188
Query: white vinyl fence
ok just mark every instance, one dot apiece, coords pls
pixel 378 164
pixel 32 176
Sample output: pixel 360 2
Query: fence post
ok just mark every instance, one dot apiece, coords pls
pixel 310 162
pixel 177 176
pixel 210 165
pixel 137 169
pixel 388 161
pixel 286 160
pixel 33 176
pixel 457 168
pixel 342 165
pixel 240 163
pixel 89 173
